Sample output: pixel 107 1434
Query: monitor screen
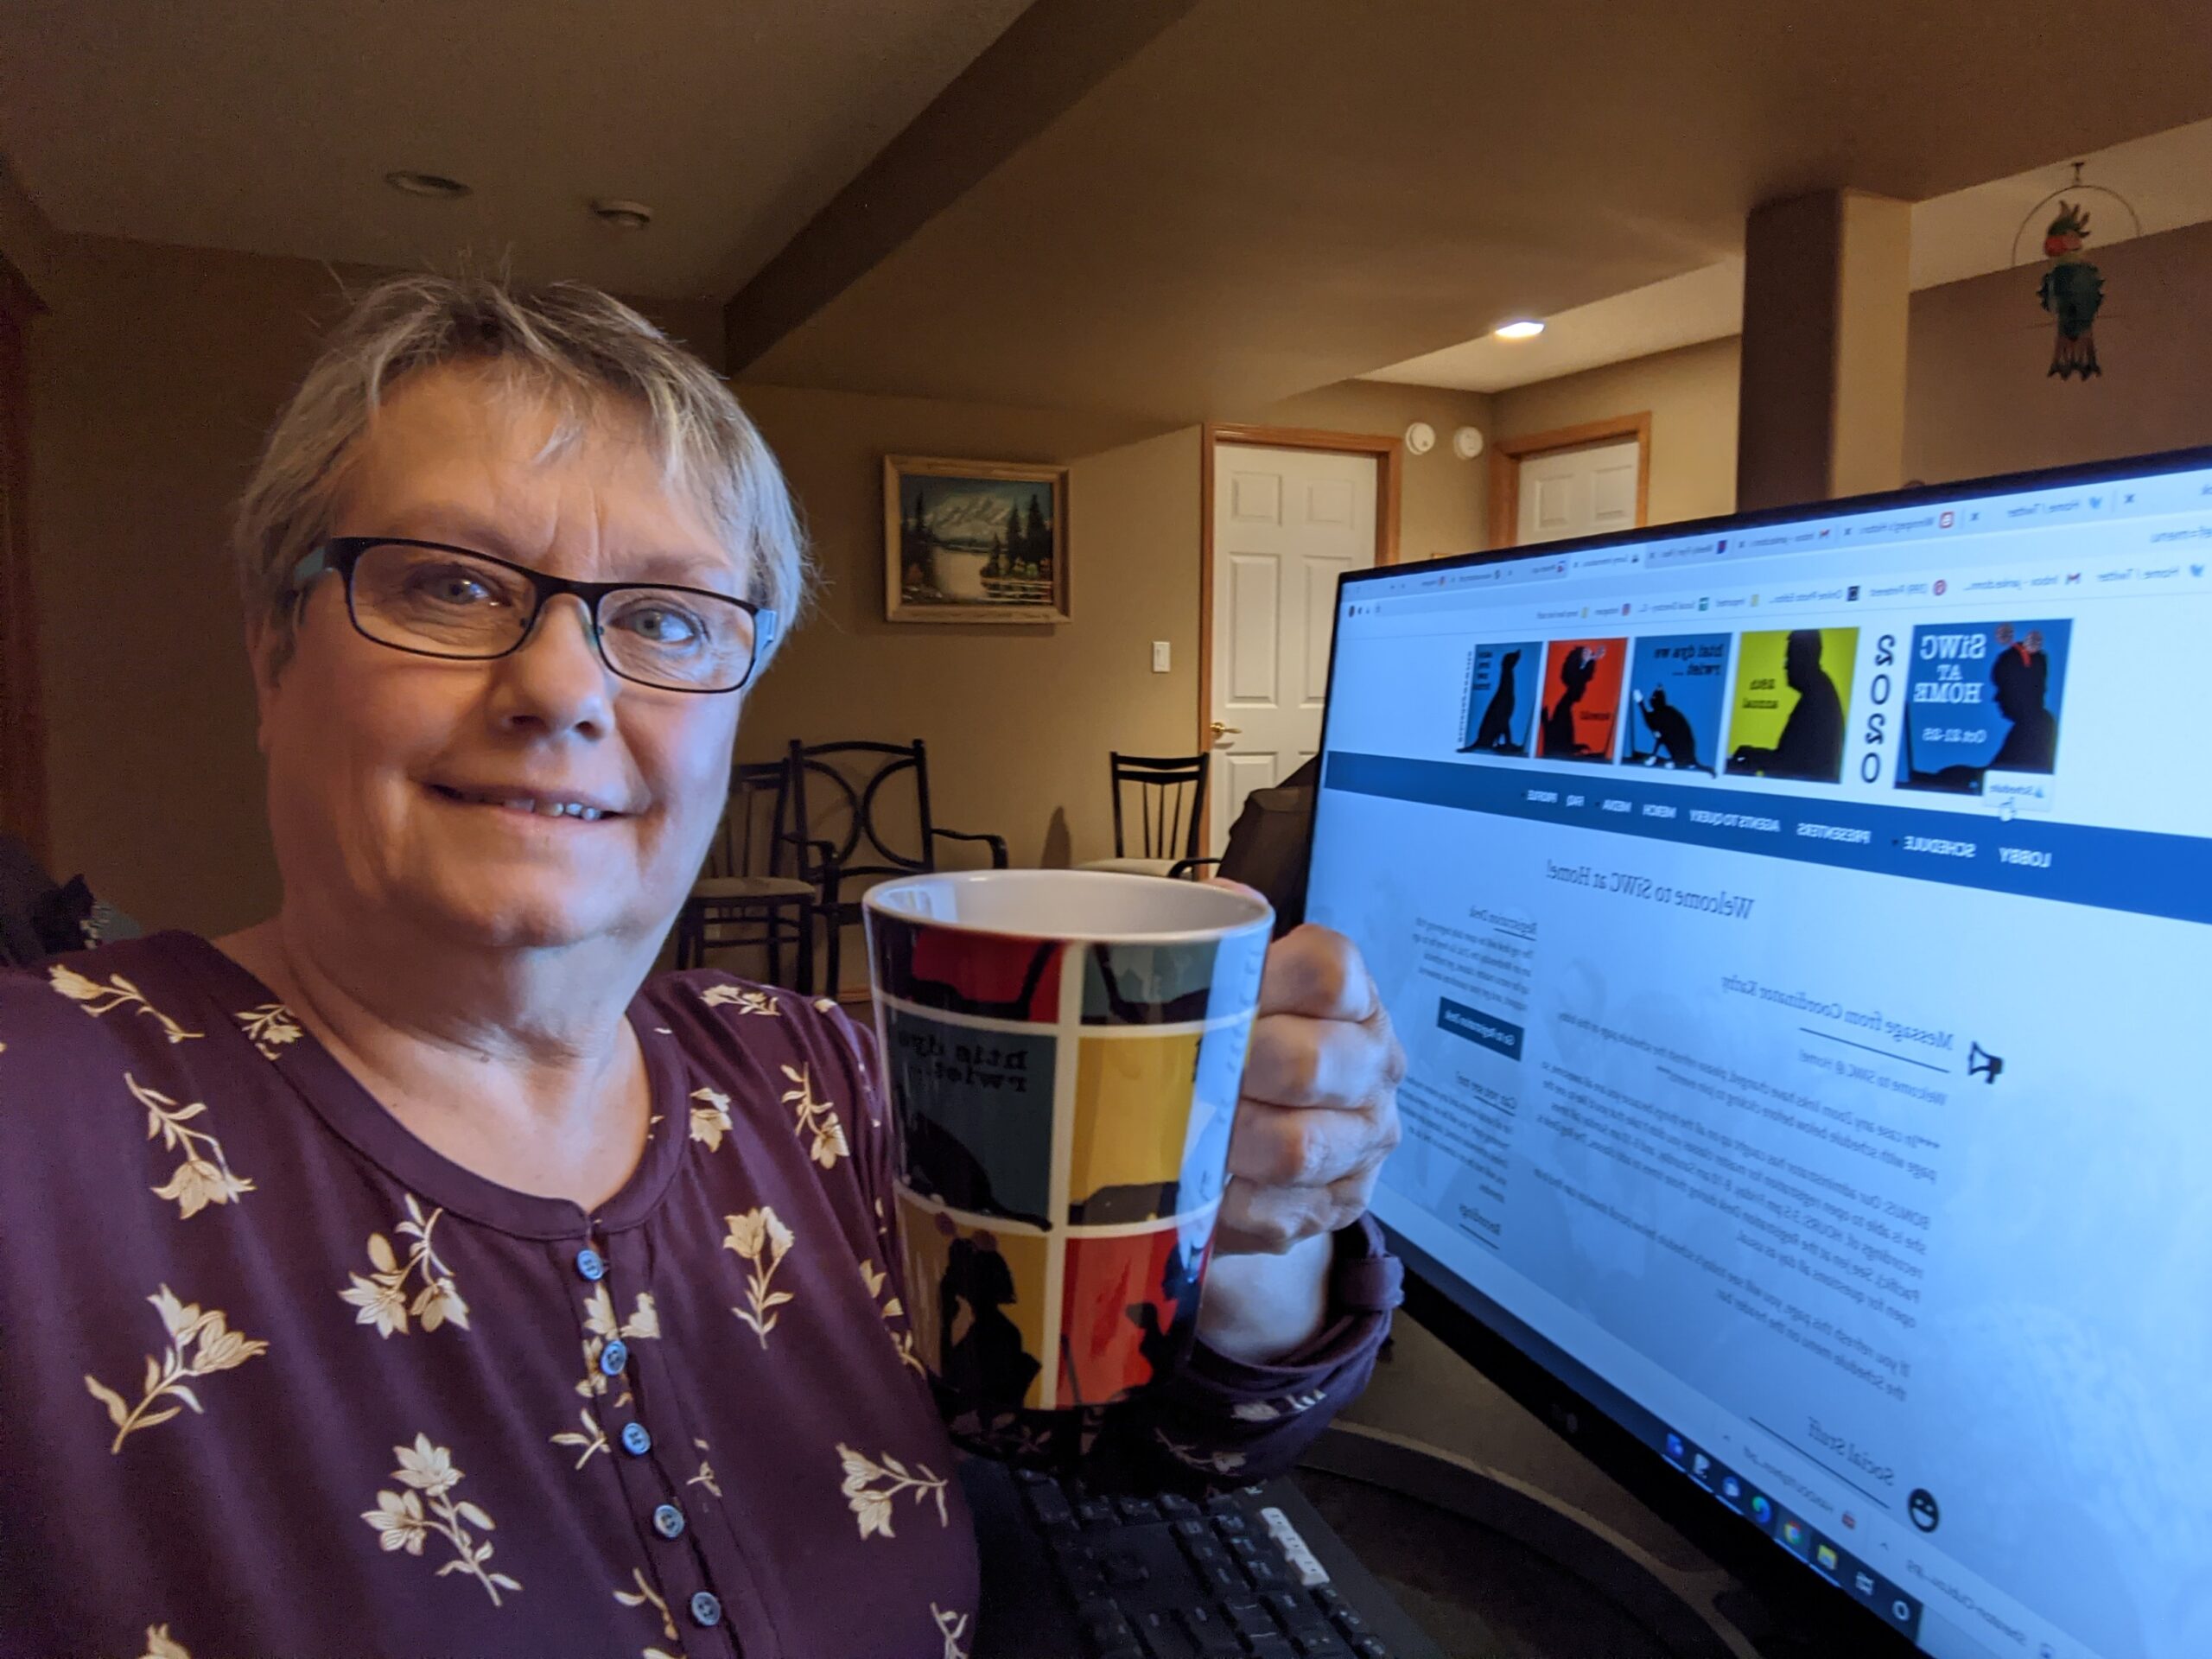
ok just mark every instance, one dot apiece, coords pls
pixel 1799 929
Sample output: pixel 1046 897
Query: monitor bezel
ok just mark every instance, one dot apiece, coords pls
pixel 1792 1591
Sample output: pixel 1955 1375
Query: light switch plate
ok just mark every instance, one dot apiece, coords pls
pixel 1159 656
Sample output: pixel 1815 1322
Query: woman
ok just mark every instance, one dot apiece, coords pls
pixel 408 1274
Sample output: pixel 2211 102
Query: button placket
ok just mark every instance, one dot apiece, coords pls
pixel 675 1550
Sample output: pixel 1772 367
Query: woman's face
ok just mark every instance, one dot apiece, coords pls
pixel 400 784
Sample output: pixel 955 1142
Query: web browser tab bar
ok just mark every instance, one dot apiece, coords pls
pixel 1387 588
pixel 1471 586
pixel 1519 570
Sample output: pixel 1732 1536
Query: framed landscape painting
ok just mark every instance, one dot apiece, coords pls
pixel 974 541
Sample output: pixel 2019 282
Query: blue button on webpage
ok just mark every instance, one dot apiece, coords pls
pixel 1483 1030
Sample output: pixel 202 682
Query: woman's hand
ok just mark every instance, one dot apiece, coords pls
pixel 1318 1115
pixel 1319 1111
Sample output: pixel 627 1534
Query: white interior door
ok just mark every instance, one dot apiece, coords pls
pixel 1287 524
pixel 1579 492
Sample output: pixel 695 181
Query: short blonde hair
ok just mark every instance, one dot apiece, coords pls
pixel 565 340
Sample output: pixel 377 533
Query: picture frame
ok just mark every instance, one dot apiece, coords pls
pixel 974 541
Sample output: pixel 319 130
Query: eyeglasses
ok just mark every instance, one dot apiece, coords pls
pixel 435 600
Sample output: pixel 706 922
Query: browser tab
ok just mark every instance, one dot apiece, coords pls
pixel 1676 553
pixel 1607 558
pixel 2170 492
pixel 2054 506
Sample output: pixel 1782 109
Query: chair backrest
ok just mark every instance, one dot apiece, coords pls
pixel 865 800
pixel 754 836
pixel 1171 799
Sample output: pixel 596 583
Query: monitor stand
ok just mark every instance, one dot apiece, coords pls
pixel 1693 1615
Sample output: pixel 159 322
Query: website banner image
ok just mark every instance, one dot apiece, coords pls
pixel 1677 689
pixel 1983 697
pixel 1502 705
pixel 1582 699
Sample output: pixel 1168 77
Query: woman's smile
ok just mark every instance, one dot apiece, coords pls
pixel 542 801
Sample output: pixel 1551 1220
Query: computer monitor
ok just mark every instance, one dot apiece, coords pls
pixel 1799 928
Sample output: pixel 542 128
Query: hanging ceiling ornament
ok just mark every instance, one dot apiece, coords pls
pixel 2073 289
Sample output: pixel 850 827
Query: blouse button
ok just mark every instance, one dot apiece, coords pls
pixel 668 1521
pixel 614 1356
pixel 591 1264
pixel 705 1609
pixel 636 1440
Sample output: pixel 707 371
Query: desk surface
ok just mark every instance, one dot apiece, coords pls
pixel 1478 1593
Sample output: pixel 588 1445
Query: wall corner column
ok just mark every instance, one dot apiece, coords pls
pixel 1827 300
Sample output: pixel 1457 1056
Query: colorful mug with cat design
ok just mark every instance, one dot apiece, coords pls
pixel 1062 1051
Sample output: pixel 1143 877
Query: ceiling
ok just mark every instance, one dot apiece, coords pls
pixel 267 125
pixel 2166 179
pixel 1248 198
pixel 1276 194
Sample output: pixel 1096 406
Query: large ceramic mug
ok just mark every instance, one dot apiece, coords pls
pixel 1062 1051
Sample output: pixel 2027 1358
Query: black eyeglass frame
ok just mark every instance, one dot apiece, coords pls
pixel 341 554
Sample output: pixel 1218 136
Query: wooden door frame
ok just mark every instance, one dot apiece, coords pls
pixel 1388 473
pixel 1506 455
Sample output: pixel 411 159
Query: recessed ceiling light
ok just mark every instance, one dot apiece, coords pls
pixel 1526 329
pixel 625 215
pixel 427 184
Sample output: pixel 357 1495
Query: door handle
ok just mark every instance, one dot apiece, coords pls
pixel 1221 731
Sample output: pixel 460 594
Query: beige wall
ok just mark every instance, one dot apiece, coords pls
pixel 154 376
pixel 1691 394
pixel 159 369
pixel 1978 398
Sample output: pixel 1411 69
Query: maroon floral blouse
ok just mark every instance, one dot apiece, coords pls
pixel 277 1379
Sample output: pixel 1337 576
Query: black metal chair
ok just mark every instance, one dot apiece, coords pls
pixel 760 887
pixel 840 812
pixel 1170 801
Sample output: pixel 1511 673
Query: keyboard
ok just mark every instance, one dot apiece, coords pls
pixel 1251 1574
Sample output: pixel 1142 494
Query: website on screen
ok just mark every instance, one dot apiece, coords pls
pixel 1801 937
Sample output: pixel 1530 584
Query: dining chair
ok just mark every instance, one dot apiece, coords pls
pixel 760 887
pixel 861 810
pixel 1167 794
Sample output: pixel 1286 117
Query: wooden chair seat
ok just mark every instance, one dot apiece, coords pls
pixel 743 898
